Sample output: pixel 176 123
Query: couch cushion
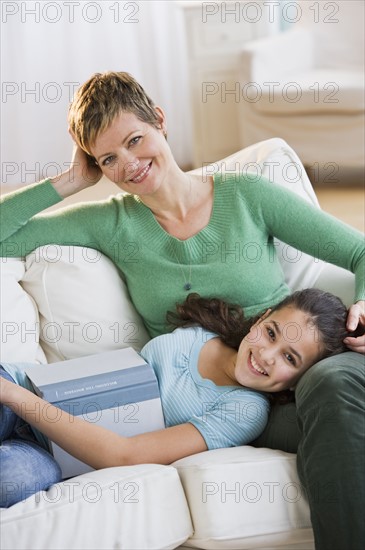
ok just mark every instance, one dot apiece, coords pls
pixel 83 303
pixel 19 317
pixel 131 507
pixel 245 497
pixel 315 91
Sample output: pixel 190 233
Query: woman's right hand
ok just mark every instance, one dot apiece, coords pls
pixel 83 173
pixel 85 168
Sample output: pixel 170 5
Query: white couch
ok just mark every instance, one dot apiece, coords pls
pixel 308 87
pixel 62 302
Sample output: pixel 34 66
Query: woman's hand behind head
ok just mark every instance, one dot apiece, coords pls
pixel 83 172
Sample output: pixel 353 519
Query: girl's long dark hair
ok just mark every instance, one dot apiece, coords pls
pixel 225 319
pixel 326 311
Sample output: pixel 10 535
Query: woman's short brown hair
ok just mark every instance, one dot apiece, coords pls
pixel 101 99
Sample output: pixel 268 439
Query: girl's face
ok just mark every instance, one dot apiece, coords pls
pixel 277 351
pixel 133 154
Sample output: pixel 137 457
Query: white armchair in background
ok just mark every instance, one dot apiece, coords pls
pixel 307 86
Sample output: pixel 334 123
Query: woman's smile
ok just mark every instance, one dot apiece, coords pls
pixel 141 174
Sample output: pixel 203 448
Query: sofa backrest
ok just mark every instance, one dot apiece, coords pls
pixel 338 31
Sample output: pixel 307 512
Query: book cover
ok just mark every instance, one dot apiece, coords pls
pixel 117 390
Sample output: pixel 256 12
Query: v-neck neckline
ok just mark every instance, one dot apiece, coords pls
pixel 156 230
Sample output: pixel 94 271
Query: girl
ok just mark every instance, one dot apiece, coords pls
pixel 215 373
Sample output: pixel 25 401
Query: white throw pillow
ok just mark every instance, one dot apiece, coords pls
pixel 19 317
pixel 83 303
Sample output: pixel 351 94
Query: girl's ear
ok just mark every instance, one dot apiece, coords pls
pixel 262 318
pixel 255 331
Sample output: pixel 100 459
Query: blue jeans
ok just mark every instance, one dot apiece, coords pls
pixel 25 467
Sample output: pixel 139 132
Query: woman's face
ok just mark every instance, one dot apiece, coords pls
pixel 277 351
pixel 133 154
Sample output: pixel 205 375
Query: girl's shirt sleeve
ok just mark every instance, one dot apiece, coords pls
pixel 236 418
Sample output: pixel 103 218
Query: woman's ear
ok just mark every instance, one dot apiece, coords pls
pixel 161 117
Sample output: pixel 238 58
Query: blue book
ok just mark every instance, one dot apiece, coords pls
pixel 117 390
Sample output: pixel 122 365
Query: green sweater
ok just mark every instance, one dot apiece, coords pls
pixel 233 257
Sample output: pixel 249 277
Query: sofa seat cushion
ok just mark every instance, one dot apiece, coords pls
pixel 245 497
pixel 130 507
pixel 314 91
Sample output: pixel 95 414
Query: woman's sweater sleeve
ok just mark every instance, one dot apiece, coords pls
pixel 298 223
pixel 23 228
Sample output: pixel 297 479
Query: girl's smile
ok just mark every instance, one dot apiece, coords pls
pixel 256 369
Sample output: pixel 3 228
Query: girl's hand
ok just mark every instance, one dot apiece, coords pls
pixel 356 320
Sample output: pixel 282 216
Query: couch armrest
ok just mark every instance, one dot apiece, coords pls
pixel 270 58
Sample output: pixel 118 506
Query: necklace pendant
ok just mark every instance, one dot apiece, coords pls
pixel 187 286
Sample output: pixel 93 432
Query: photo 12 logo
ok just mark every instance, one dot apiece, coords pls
pixel 271 92
pixel 269 11
pixel 251 492
pixel 37 92
pixel 53 12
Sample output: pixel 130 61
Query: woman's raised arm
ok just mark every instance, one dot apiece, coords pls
pixel 24 226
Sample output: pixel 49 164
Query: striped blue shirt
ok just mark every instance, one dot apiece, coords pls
pixel 226 416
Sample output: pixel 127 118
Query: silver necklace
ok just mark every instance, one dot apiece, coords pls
pixel 188 284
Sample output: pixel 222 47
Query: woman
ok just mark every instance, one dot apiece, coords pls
pixel 214 377
pixel 174 233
